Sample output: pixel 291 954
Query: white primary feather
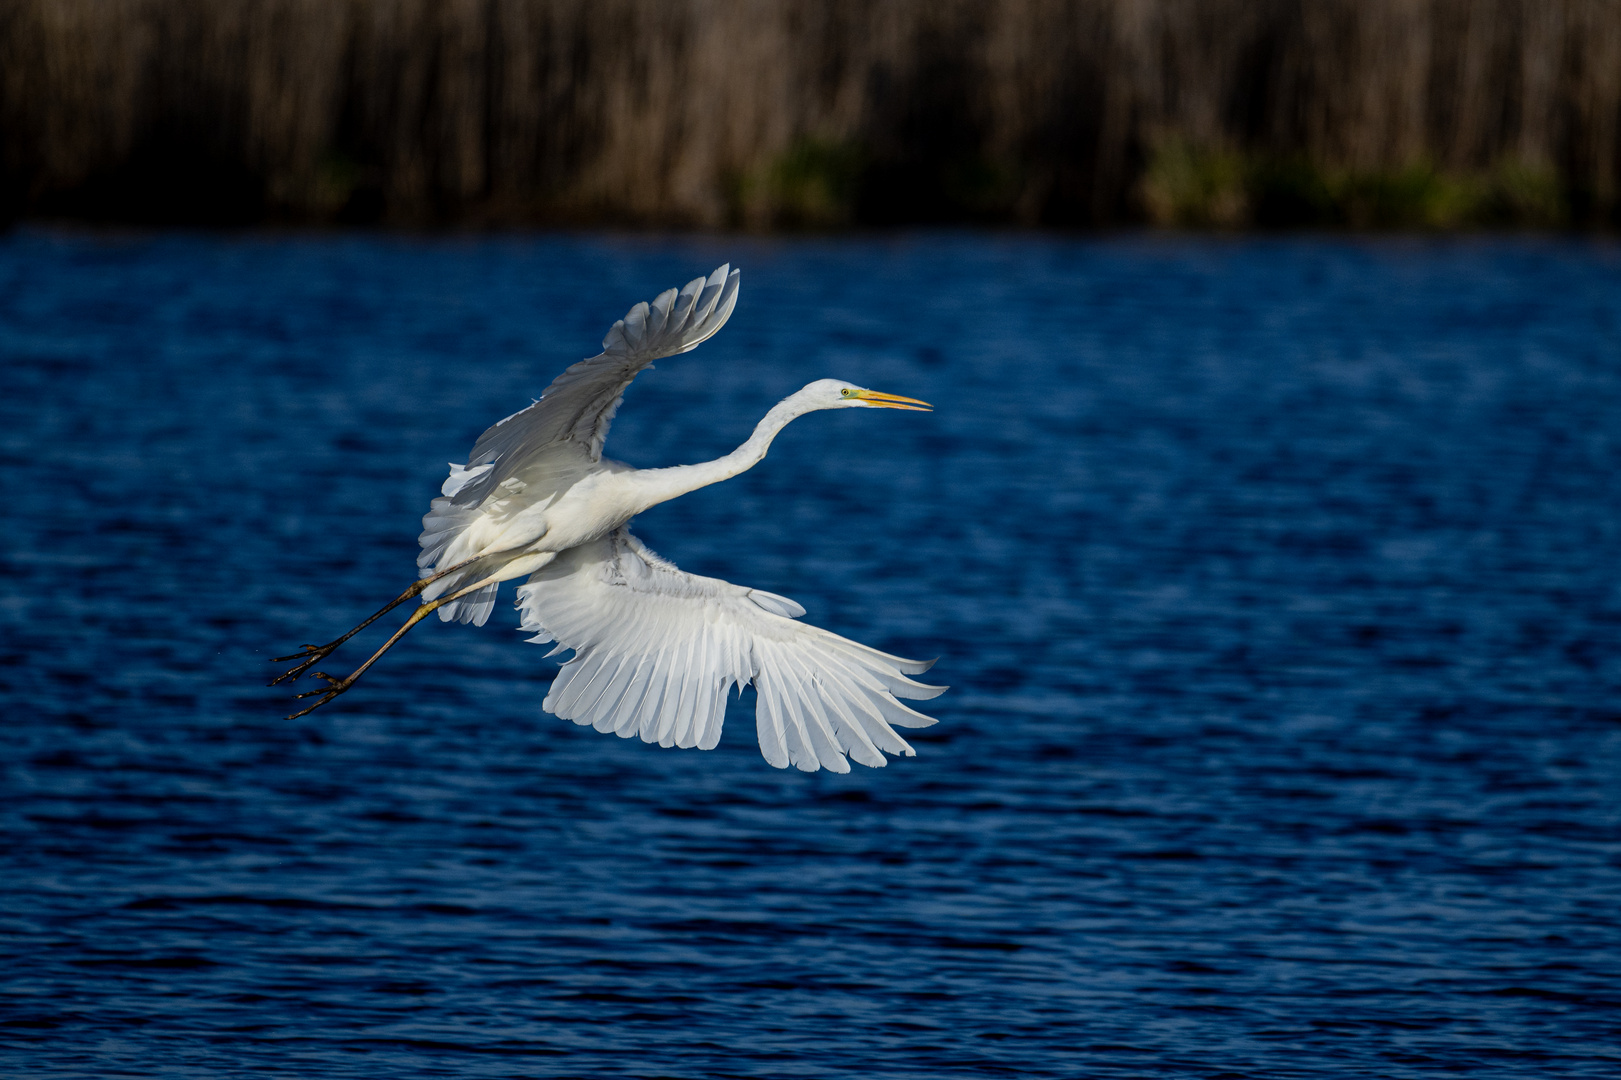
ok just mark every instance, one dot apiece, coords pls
pixel 657 652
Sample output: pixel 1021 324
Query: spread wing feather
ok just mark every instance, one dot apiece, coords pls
pixel 579 405
pixel 657 652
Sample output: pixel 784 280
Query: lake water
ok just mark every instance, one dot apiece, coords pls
pixel 1277 582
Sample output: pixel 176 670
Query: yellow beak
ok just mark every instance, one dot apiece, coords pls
pixel 893 401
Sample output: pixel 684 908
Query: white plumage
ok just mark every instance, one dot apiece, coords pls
pixel 656 651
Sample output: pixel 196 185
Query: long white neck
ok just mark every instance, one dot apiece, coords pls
pixel 661 485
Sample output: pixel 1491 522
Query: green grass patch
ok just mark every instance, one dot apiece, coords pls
pixel 1187 186
pixel 811 185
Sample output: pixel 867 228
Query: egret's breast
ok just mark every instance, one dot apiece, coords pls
pixel 592 508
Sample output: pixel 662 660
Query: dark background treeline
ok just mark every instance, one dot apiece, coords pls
pixel 784 113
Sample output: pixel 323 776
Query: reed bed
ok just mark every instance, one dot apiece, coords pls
pixel 813 113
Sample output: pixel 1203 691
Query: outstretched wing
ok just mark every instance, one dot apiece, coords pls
pixel 657 651
pixel 576 409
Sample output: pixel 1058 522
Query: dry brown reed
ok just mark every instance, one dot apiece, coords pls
pixel 760 113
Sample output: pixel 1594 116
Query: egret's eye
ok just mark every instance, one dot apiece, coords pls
pixel 847 392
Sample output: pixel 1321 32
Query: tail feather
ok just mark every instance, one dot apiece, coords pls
pixel 444 523
pixel 473 608
pixel 441 525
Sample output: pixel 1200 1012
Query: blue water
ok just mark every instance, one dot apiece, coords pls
pixel 1277 582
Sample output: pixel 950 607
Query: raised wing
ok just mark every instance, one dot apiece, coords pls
pixel 576 409
pixel 657 651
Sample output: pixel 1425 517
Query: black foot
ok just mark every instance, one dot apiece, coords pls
pixel 336 687
pixel 312 654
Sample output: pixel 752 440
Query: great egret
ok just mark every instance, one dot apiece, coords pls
pixel 656 651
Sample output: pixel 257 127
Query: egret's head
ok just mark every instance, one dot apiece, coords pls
pixel 833 394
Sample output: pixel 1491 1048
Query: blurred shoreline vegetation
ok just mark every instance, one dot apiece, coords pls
pixel 1191 187
pixel 811 185
pixel 814 114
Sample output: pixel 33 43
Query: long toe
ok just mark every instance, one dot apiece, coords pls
pixel 308 651
pixel 313 654
pixel 330 694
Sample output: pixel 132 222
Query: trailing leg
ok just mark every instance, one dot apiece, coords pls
pixel 338 686
pixel 313 654
pixel 525 564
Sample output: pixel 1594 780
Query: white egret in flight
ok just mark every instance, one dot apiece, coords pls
pixel 656 650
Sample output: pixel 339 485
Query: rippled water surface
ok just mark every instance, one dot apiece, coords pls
pixel 1277 583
